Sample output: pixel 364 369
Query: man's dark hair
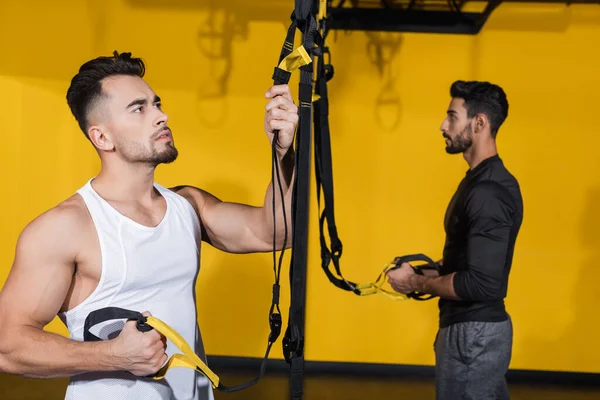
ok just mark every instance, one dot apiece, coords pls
pixel 86 86
pixel 485 98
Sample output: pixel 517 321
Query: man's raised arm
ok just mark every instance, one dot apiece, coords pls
pixel 241 228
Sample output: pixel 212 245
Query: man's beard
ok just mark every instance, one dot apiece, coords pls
pixel 136 153
pixel 461 142
pixel 166 156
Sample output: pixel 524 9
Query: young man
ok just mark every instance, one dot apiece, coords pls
pixel 125 241
pixel 474 344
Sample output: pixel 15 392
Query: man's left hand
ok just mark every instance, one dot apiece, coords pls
pixel 282 115
pixel 400 278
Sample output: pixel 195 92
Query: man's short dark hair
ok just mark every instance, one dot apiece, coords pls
pixel 86 86
pixel 485 98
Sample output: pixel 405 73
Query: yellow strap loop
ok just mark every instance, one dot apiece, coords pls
pixel 322 10
pixel 295 60
pixel 189 359
pixel 367 289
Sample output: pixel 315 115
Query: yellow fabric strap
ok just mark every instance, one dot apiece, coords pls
pixel 295 59
pixel 189 359
pixel 322 10
pixel 367 289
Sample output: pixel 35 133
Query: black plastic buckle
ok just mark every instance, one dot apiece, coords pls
pixel 275 324
pixel 281 76
pixel 287 349
pixel 141 324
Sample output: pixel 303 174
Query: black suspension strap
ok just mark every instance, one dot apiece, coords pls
pixel 330 255
pixel 293 341
pixel 324 177
pixel 289 60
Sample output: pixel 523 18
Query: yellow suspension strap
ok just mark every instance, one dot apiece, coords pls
pixel 376 287
pixel 186 359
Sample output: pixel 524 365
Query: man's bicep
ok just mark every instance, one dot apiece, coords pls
pixel 225 225
pixel 234 227
pixel 41 274
pixel 487 253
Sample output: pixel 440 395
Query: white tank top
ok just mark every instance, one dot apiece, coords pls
pixel 144 269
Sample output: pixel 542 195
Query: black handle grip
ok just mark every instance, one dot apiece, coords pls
pixel 430 264
pixel 110 313
pixel 417 257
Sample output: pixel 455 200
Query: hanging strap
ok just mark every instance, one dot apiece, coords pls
pixel 293 341
pixel 324 180
pixel 290 59
pixel 330 255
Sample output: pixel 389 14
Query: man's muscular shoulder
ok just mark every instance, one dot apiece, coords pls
pixel 44 263
pixel 61 227
pixel 197 197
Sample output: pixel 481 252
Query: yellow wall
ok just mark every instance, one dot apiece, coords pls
pixel 390 165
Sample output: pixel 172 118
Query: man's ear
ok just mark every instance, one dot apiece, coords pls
pixel 480 122
pixel 101 138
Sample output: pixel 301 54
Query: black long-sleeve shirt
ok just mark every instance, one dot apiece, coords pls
pixel 482 223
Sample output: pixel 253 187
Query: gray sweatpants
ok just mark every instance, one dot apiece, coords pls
pixel 472 359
